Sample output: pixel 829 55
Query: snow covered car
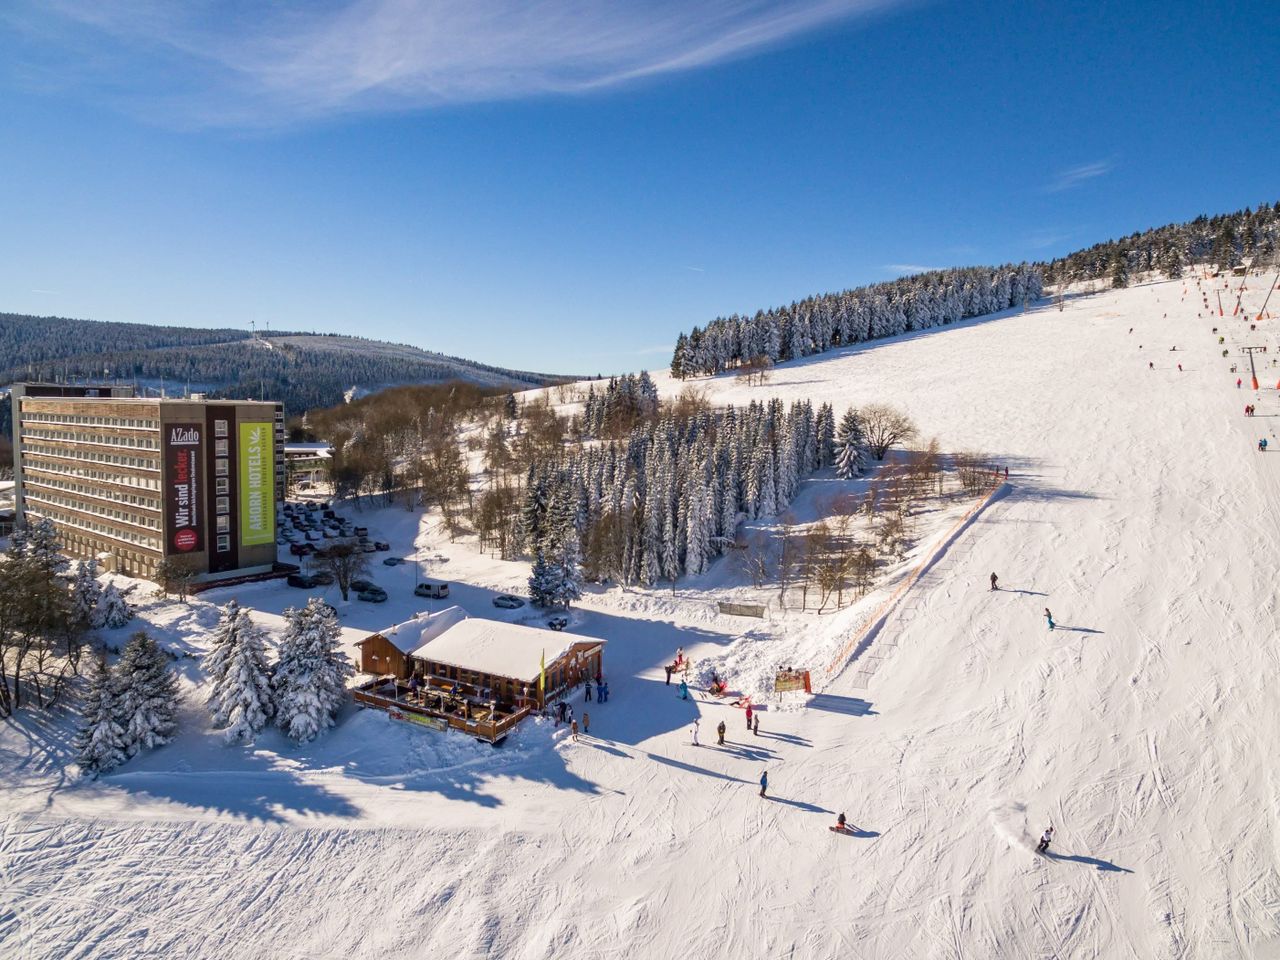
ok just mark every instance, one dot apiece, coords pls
pixel 323 577
pixel 381 545
pixel 359 586
pixel 392 561
pixel 301 581
pixel 506 601
pixel 376 595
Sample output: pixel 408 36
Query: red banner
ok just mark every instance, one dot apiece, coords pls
pixel 182 494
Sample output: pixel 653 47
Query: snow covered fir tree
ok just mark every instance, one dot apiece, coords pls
pixel 666 500
pixel 850 447
pixel 86 594
pixel 115 611
pixel 310 681
pixel 148 695
pixel 100 743
pixel 824 322
pixel 240 696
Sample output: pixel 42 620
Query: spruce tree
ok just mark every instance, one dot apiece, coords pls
pixel 100 744
pixel 310 682
pixel 850 455
pixel 148 704
pixel 240 689
pixel 86 594
pixel 541 580
pixel 115 611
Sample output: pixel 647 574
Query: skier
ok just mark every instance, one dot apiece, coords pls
pixel 720 731
pixel 1238 381
pixel 764 782
pixel 1151 365
pixel 748 716
pixel 684 690
pixel 994 581
pixel 755 726
pixel 694 731
pixel 1045 840
pixel 1049 617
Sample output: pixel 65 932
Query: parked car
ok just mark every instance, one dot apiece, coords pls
pixel 300 549
pixel 381 545
pixel 373 596
pixel 368 547
pixel 312 536
pixel 434 589
pixel 360 586
pixel 508 602
pixel 558 623
pixel 362 531
pixel 301 581
pixel 392 561
pixel 323 577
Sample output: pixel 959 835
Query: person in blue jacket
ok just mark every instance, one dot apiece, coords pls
pixel 684 690
pixel 764 782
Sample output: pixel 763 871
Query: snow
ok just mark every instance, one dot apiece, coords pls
pixel 1143 728
pixel 412 634
pixel 498 649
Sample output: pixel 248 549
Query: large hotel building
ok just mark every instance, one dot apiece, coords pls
pixel 131 480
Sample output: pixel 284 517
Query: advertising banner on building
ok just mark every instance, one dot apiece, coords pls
pixel 182 494
pixel 257 484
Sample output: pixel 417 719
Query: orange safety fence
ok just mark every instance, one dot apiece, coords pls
pixel 882 612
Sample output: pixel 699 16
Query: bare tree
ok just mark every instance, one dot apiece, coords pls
pixel 345 559
pixel 885 427
pixel 754 560
pixel 973 471
pixel 755 369
pixel 175 575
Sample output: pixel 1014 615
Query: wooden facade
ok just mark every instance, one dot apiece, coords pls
pixel 382 658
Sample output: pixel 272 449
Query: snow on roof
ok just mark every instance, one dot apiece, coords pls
pixel 408 636
pixel 499 649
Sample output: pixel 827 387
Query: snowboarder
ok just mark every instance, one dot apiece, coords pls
pixel 994 581
pixel 573 730
pixel 1045 840
pixel 684 690
pixel 694 731
pixel 749 716
pixel 755 725
pixel 1049 618
pixel 764 782
pixel 720 731
pixel 586 722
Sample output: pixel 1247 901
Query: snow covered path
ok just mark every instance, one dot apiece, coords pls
pixel 1144 728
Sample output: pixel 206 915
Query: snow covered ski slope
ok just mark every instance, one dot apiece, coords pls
pixel 1144 728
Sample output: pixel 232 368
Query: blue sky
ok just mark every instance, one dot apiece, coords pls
pixel 565 185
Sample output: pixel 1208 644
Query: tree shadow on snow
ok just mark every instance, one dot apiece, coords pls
pixel 691 768
pixel 1105 866
pixel 850 706
pixel 787 738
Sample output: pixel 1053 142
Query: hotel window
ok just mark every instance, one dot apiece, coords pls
pixel 222 505
pixel 222 485
pixel 222 447
pixel 224 524
pixel 219 428
pixel 224 543
pixel 220 466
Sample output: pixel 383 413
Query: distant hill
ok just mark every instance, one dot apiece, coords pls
pixel 302 370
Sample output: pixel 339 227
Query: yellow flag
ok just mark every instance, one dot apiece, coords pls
pixel 542 673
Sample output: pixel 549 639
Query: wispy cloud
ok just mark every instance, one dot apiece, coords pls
pixel 901 268
pixel 695 269
pixel 244 63
pixel 51 293
pixel 1074 176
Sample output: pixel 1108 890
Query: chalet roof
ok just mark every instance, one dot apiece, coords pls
pixel 408 636
pixel 499 649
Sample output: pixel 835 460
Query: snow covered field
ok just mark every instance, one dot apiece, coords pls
pixel 1144 727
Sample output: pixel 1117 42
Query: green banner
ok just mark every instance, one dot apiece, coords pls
pixel 257 484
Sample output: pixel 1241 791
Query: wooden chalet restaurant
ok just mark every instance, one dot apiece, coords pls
pixel 479 676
